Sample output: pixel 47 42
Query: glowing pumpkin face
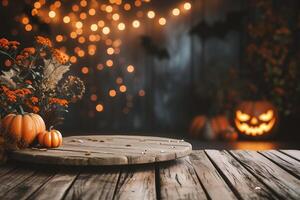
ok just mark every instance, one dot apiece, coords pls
pixel 255 118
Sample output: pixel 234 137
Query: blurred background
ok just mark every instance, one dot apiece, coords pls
pixel 204 69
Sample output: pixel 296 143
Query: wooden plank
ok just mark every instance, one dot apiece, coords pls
pixel 293 153
pixel 210 178
pixel 29 186
pixel 285 185
pixel 137 183
pixel 286 162
pixel 13 178
pixel 241 181
pixel 94 184
pixel 178 180
pixel 107 150
pixel 6 168
pixel 57 186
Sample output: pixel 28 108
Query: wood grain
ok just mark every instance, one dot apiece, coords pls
pixel 107 150
pixel 178 180
pixel 281 182
pixel 13 178
pixel 293 153
pixel 137 183
pixel 286 162
pixel 94 184
pixel 212 181
pixel 5 168
pixel 57 186
pixel 241 180
pixel 28 186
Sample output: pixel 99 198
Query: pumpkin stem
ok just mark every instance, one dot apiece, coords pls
pixel 21 110
pixel 51 127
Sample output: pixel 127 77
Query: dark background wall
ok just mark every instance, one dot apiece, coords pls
pixel 179 66
pixel 172 82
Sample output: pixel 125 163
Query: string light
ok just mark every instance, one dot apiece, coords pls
pixel 79 31
pixel 100 67
pixel 187 6
pixel 109 63
pixel 93 97
pixel 25 20
pixel 52 14
pixel 116 17
pixel 92 11
pixel 162 21
pixel 112 93
pixel 127 6
pixel 108 9
pixel 73 59
pixel 110 51
pixel 37 5
pixel 151 14
pixel 137 3
pixel 123 88
pixel 83 15
pixel 136 23
pixel 176 12
pixel 73 35
pixel 142 93
pixel 75 8
pixel 94 27
pixel 28 27
pixel 66 19
pixel 101 23
pixel 85 70
pixel 99 107
pixel 130 68
pixel 83 3
pixel 106 30
pixel 78 24
pixel 59 38
pixel 121 26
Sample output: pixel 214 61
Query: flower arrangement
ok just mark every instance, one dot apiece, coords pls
pixel 33 80
pixel 272 54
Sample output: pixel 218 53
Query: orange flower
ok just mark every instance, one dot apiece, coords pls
pixel 35 109
pixel 20 57
pixel 4 88
pixel 4 43
pixel 44 41
pixel 34 99
pixel 29 50
pixel 60 56
pixel 62 102
pixel 11 97
pixel 14 44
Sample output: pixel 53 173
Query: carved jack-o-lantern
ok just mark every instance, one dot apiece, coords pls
pixel 255 118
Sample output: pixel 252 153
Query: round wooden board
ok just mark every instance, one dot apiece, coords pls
pixel 107 150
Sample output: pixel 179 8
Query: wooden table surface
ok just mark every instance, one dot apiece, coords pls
pixel 209 174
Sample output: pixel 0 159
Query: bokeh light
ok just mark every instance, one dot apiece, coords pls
pixel 151 14
pixel 162 21
pixel 99 107
pixel 130 68
pixel 136 23
pixel 176 12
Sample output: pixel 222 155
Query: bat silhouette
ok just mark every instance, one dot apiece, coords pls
pixel 154 49
pixel 233 21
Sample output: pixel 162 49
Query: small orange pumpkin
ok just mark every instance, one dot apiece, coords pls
pixel 21 129
pixel 50 139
